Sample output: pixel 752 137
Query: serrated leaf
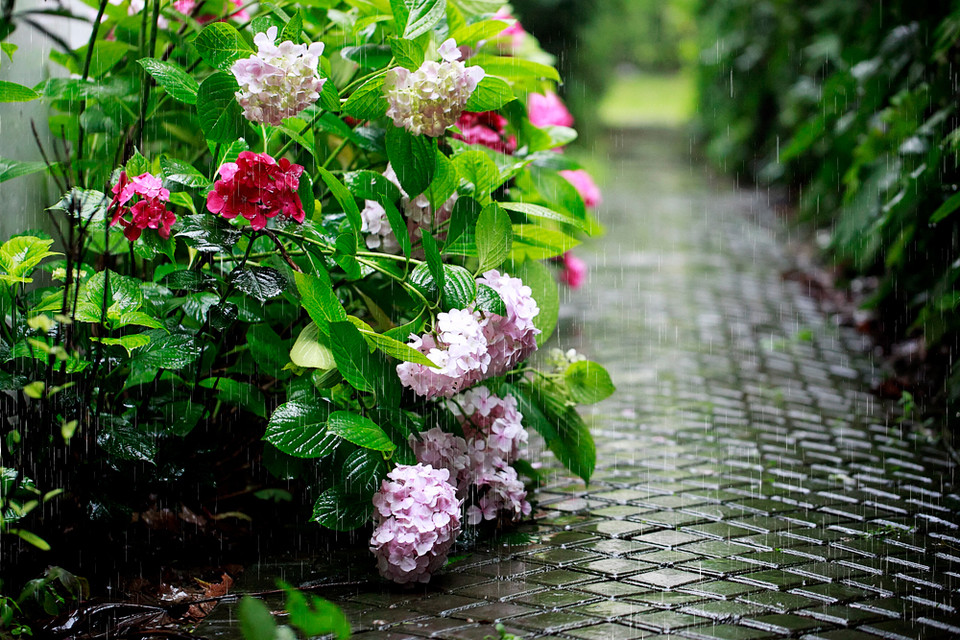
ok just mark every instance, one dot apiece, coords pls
pixel 182 173
pixel 407 53
pixel 397 349
pixel 262 283
pixel 221 118
pixel 413 158
pixel 13 92
pixel 491 94
pixel 220 45
pixel 341 511
pixel 298 428
pixel 478 169
pixel 494 237
pixel 359 430
pixel 179 84
pixel 207 233
pixel 352 356
pixel 293 28
pixel 344 197
pixel 536 211
pixel 367 102
pixel 462 219
pixel 319 299
pixel 546 293
pixel 459 288
pixel 173 351
pixel 490 301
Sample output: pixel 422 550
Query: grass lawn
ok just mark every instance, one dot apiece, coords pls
pixel 644 99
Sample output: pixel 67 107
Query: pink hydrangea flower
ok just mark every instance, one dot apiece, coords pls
pixel 513 37
pixel 186 7
pixel 457 346
pixel 499 488
pixel 574 272
pixel 585 186
pixel 488 128
pixel 278 81
pixel 513 337
pixel 484 415
pixel 545 110
pixel 417 517
pixel 430 99
pixel 443 450
pixel 257 187
pixel 149 212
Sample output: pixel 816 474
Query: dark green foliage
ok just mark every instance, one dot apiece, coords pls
pixel 852 105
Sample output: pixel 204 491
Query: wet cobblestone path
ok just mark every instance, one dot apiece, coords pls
pixel 748 485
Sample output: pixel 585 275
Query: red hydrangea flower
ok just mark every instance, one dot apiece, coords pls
pixel 257 187
pixel 487 128
pixel 149 212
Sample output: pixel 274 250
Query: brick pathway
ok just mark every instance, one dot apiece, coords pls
pixel 748 486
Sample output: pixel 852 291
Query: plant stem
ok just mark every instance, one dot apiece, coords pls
pixel 86 73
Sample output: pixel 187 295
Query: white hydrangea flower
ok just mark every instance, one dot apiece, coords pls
pixel 458 348
pixel 430 99
pixel 278 81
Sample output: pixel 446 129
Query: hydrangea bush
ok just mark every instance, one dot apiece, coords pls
pixel 329 225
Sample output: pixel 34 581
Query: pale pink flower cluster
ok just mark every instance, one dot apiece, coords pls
pixel 417 514
pixel 459 349
pixel 499 487
pixel 418 212
pixel 474 464
pixel 430 99
pixel 511 338
pixel 469 346
pixel 546 110
pixel 497 420
pixel 279 81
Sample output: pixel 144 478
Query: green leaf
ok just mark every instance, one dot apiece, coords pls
pixel 561 427
pixel 459 288
pixel 947 208
pixel 352 356
pixel 122 440
pixel 10 169
pixel 494 237
pixel 262 283
pixel 310 351
pixel 536 211
pixel 298 428
pixel 293 28
pixel 588 382
pixel 182 173
pixel 130 342
pixel 341 511
pixel 371 56
pixel 397 349
pixel 32 538
pixel 445 182
pixel 137 164
pixel 319 299
pixel 359 430
pixel 255 618
pixel 463 218
pixel 315 617
pixel 21 254
pixel 220 45
pixel 513 68
pixel 240 394
pixel 490 301
pixel 533 242
pixel 177 82
pixel 368 101
pixel 471 35
pixel 478 169
pixel 13 92
pixel 546 292
pixel 416 17
pixel 491 94
pixel 173 351
pixel 207 233
pixel 408 53
pixel 344 197
pixel 221 118
pixel 414 159
pixel 434 263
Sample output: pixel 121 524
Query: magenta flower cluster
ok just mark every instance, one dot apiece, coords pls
pixel 150 210
pixel 278 81
pixel 430 99
pixel 469 346
pixel 417 514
